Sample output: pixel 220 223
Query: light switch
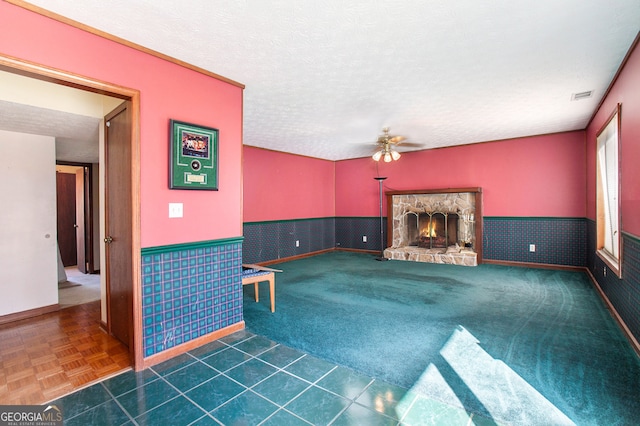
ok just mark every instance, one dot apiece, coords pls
pixel 175 209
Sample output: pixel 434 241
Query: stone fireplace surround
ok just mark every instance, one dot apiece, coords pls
pixel 461 207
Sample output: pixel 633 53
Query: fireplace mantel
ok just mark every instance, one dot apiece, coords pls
pixel 475 192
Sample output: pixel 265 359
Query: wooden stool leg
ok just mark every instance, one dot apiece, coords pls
pixel 255 290
pixel 272 293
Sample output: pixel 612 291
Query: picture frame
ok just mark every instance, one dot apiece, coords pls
pixel 193 156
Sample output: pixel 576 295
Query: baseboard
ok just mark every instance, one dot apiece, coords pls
pixel 357 250
pixel 186 347
pixel 534 265
pixel 17 316
pixel 299 256
pixel 315 253
pixel 632 339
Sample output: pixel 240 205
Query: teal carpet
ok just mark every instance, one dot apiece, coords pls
pixel 521 346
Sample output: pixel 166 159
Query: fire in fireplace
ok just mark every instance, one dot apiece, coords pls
pixel 432 230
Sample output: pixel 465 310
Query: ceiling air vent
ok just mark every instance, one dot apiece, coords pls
pixel 581 95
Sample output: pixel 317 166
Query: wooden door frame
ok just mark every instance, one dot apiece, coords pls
pixel 89 225
pixel 66 218
pixel 41 72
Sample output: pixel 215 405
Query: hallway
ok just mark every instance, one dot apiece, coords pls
pixel 45 357
pixel 79 288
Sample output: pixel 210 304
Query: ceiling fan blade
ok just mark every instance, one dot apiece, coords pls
pixel 412 144
pixel 386 139
pixel 396 139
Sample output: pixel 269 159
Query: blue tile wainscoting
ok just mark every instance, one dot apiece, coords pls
pixel 558 241
pixel 623 294
pixel 189 290
pixel 272 240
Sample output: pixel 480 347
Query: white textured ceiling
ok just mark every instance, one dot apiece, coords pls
pixel 76 135
pixel 324 77
pixel 70 115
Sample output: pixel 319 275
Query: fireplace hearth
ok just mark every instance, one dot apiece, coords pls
pixel 437 226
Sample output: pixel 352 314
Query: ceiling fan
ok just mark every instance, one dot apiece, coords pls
pixel 386 143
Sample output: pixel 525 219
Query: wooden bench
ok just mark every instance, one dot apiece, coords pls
pixel 255 274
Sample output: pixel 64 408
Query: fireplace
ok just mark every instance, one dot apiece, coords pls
pixel 432 230
pixel 438 226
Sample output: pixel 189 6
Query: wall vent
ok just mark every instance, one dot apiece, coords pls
pixel 581 95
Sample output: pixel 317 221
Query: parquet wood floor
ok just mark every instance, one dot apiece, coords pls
pixel 48 356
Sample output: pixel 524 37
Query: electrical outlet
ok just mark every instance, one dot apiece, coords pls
pixel 297 243
pixel 532 248
pixel 364 238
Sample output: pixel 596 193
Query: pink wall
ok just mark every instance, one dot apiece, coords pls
pixel 166 91
pixel 626 91
pixel 280 186
pixel 534 176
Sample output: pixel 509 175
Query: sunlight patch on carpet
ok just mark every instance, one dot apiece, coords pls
pixel 504 395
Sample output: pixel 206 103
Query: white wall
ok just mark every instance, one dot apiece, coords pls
pixel 28 237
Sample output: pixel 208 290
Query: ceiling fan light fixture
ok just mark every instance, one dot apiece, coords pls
pixel 386 144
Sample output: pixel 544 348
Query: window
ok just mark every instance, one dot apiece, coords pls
pixel 608 192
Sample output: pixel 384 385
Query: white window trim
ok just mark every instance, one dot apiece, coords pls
pixel 609 244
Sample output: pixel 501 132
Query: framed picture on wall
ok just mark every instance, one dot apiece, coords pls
pixel 193 157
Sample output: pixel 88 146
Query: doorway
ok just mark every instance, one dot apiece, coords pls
pixel 76 222
pixel 66 204
pixel 132 249
pixel 76 203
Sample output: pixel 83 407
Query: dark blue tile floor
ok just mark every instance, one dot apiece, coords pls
pixel 246 379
